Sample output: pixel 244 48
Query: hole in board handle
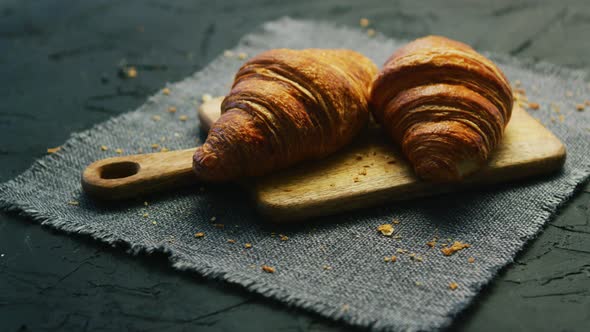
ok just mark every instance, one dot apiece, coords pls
pixel 119 170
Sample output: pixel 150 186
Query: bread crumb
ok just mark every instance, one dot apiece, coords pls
pixel 327 267
pixel 73 202
pixel 206 97
pixel 364 22
pixel 401 251
pixel 534 106
pixel 219 225
pixel 212 218
pixel 432 243
pixel 145 215
pixel 587 102
pixel 228 54
pixel 385 229
pixel 456 246
pixel 171 109
pixel 242 55
pixel 471 259
pixel 268 269
pixel 580 107
pixel 119 151
pixel 166 91
pixel 199 234
pixel 453 285
pixel 155 146
pixel 247 245
pixel 231 241
pixel 154 223
pixel 183 118
pixel 163 149
pixel 53 150
pixel 418 283
pixel 145 203
pixel 393 258
pixel 396 221
pixel 371 32
pixel 131 72
pixel 283 237
pixel 386 259
pixel 156 118
pixel 345 307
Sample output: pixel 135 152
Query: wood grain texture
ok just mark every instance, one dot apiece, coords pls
pixel 372 171
pixel 129 176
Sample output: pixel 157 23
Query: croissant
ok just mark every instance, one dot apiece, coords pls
pixel 445 104
pixel 287 106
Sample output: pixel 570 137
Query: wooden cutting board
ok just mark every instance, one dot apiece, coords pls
pixel 369 172
pixel 372 171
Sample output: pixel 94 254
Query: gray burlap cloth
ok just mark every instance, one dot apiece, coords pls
pixel 334 265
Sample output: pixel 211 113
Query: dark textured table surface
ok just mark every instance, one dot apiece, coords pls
pixel 59 63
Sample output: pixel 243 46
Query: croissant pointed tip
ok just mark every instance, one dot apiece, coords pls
pixel 438 171
pixel 204 162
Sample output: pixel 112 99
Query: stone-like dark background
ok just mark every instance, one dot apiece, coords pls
pixel 59 63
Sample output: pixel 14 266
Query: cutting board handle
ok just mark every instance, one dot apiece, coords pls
pixel 130 176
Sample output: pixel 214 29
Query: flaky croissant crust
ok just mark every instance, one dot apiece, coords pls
pixel 445 104
pixel 286 106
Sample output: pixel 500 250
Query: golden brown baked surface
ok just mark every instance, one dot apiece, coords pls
pixel 286 106
pixel 445 104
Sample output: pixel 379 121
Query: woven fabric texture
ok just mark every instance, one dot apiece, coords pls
pixel 359 287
